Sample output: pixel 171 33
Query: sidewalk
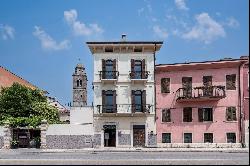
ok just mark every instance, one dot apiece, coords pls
pixel 227 150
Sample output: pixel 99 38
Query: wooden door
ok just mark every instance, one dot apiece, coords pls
pixel 139 135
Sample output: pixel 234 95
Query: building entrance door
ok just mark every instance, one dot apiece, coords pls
pixel 109 135
pixel 139 135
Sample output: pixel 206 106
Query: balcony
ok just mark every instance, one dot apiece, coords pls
pixel 124 110
pixel 203 93
pixel 108 76
pixel 139 76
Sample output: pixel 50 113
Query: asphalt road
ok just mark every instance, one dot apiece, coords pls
pixel 124 158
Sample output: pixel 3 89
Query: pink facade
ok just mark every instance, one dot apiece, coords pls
pixel 219 126
pixel 246 90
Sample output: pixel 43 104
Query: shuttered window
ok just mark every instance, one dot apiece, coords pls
pixel 109 101
pixel 138 69
pixel 166 115
pixel 165 85
pixel 205 114
pixel 187 85
pixel 166 137
pixel 138 98
pixel 231 82
pixel 187 114
pixel 109 69
pixel 231 114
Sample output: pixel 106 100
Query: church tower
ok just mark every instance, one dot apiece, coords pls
pixel 79 86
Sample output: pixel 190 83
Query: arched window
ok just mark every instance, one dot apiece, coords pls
pixel 77 83
pixel 80 82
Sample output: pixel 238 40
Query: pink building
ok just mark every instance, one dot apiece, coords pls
pixel 245 98
pixel 198 104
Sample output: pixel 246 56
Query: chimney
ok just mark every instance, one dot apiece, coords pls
pixel 124 37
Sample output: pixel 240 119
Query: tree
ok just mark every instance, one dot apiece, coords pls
pixel 23 106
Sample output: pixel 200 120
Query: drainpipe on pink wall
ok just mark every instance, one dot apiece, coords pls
pixel 155 83
pixel 239 100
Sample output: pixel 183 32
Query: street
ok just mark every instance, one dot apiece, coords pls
pixel 123 158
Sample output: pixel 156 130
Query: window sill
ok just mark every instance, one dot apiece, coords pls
pixel 230 121
pixel 166 122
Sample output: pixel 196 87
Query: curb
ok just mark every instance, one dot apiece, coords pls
pixel 124 150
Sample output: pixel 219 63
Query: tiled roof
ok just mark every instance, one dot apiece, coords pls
pixel 7 78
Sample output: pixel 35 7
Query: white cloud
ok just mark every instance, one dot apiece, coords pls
pixel 232 22
pixel 180 4
pixel 79 28
pixel 47 42
pixel 160 32
pixel 7 32
pixel 205 30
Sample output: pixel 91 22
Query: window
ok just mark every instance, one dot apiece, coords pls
pixel 166 137
pixel 231 138
pixel 205 114
pixel 207 83
pixel 187 86
pixel 138 69
pixel 138 49
pixel 80 82
pixel 231 82
pixel 109 69
pixel 208 137
pixel 207 80
pixel 231 114
pixel 166 115
pixel 165 85
pixel 108 49
pixel 187 137
pixel 109 101
pixel 138 101
pixel 187 114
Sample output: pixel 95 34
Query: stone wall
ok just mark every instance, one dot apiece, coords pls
pixel 69 141
pixel 124 139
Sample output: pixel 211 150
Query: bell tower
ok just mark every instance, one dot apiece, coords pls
pixel 79 86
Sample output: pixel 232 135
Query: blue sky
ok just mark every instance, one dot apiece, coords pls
pixel 42 40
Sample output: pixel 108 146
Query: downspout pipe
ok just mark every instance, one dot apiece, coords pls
pixel 155 82
pixel 240 109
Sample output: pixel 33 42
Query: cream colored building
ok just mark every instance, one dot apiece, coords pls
pixel 124 93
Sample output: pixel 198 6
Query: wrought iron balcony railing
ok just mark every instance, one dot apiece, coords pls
pixel 203 92
pixel 109 74
pixel 124 108
pixel 107 108
pixel 139 74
